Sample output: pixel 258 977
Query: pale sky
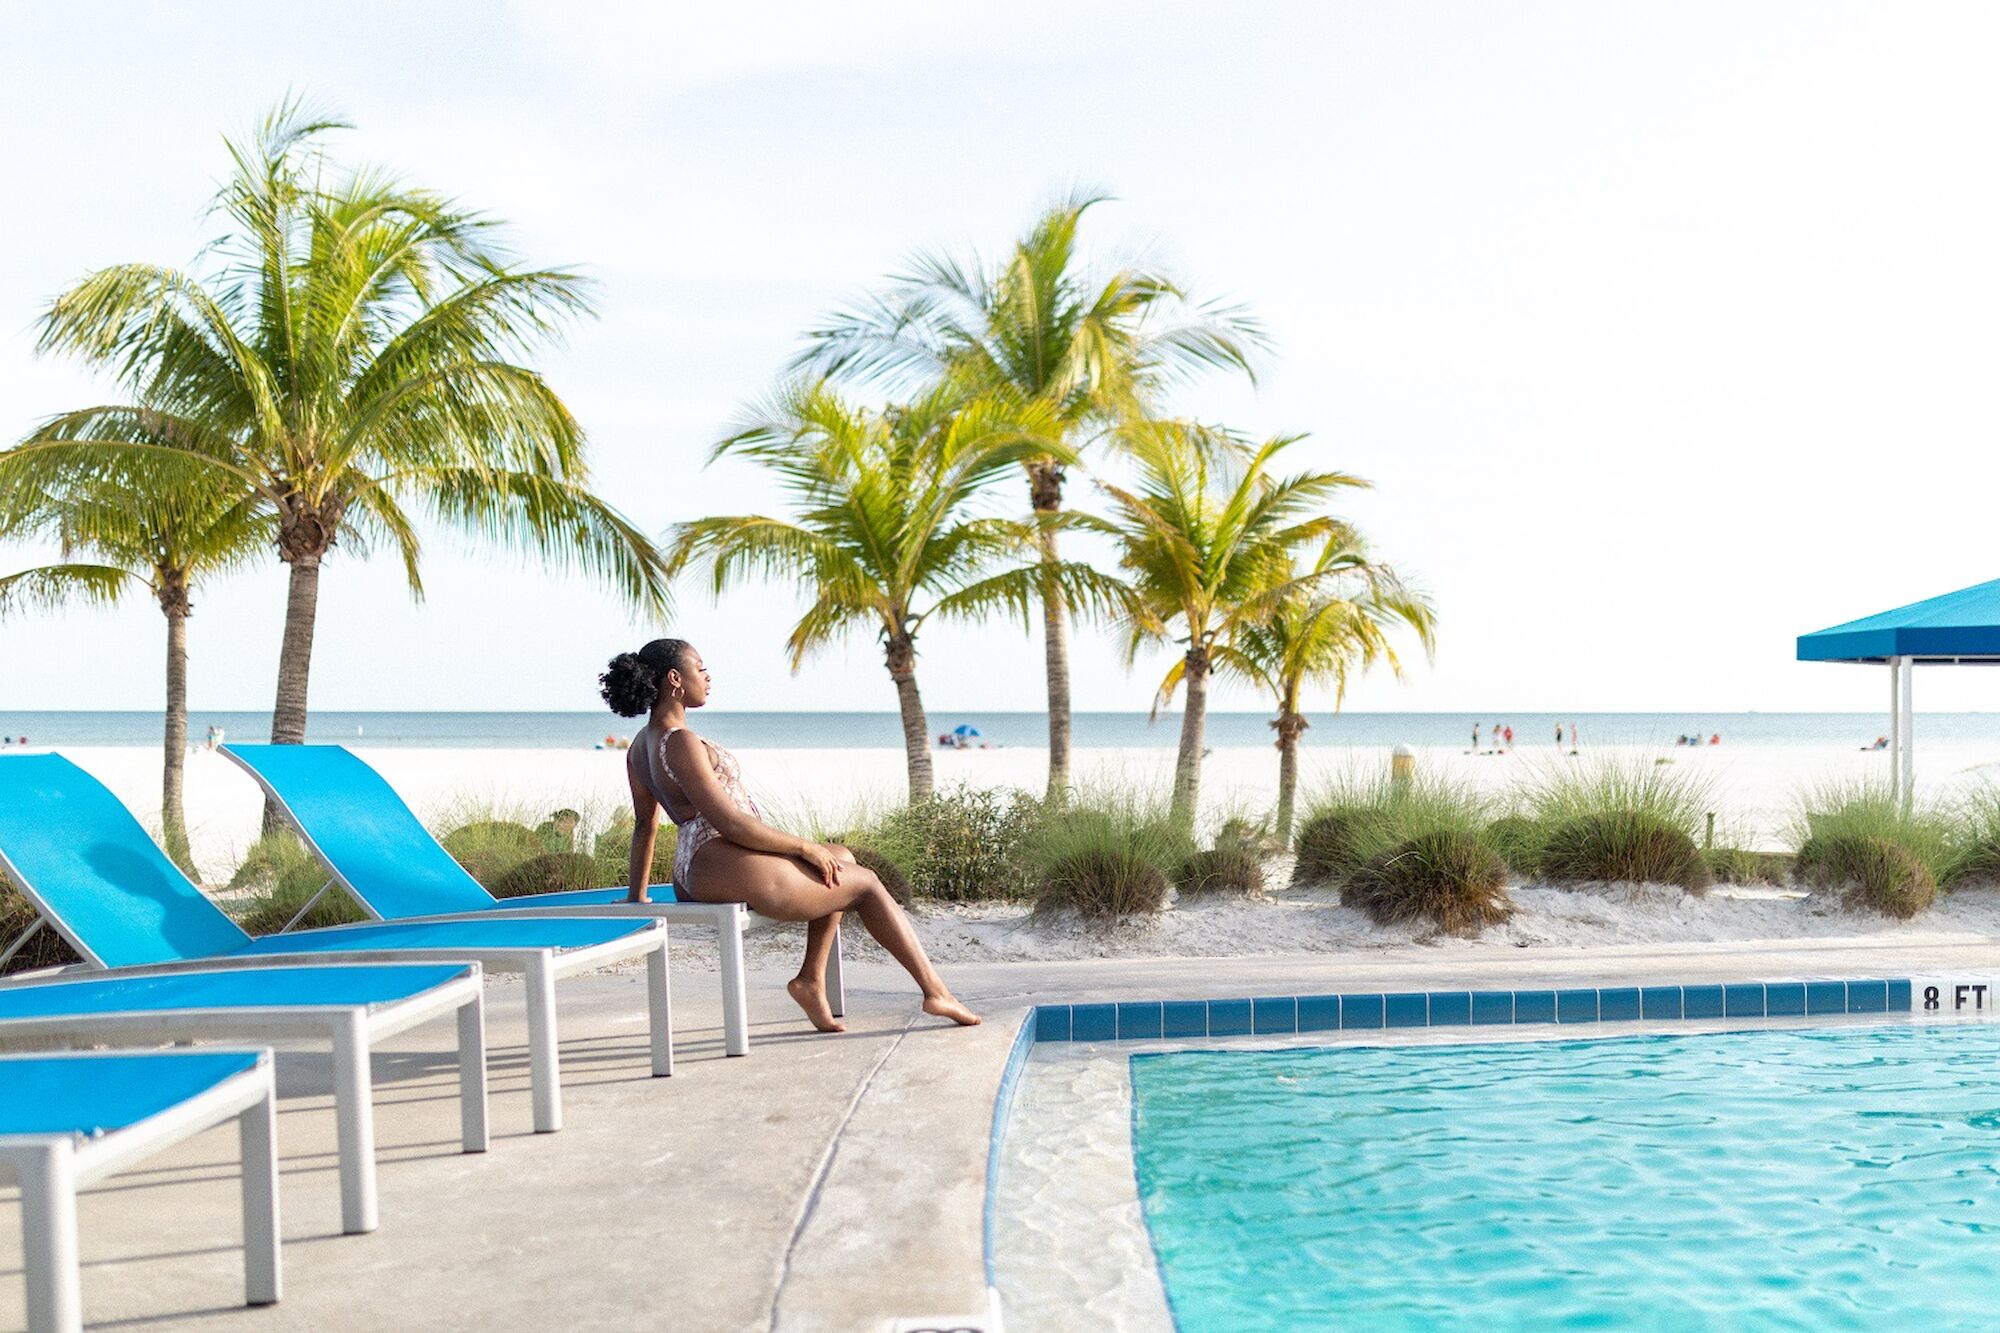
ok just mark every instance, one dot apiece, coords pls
pixel 1665 331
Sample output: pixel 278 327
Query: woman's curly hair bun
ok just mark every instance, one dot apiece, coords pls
pixel 631 683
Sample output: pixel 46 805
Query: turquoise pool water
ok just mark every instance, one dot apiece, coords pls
pixel 1805 1178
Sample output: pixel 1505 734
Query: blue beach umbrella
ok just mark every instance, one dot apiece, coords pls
pixel 962 729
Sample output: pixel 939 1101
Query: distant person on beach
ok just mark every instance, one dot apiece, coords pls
pixel 1475 738
pixel 726 853
pixel 1881 743
pixel 1510 737
pixel 1559 735
pixel 1496 738
pixel 1715 738
pixel 1572 735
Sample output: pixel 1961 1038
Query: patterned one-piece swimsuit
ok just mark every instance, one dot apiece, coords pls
pixel 696 833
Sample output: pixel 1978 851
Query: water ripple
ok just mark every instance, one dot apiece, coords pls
pixel 1777 1179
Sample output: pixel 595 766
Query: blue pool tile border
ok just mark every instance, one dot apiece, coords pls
pixel 1278 1013
pixel 1184 1018
pixel 1229 1018
pixel 1406 1009
pixel 1372 1011
pixel 1319 1013
pixel 1140 1019
pixel 1534 1006
pixel 1618 1004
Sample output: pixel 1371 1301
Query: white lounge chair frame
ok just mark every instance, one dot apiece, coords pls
pixel 352 1032
pixel 52 1168
pixel 542 969
pixel 727 919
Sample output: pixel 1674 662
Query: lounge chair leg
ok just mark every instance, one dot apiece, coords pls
pixel 735 1004
pixel 660 1010
pixel 354 1122
pixel 262 1276
pixel 48 1220
pixel 544 1073
pixel 472 1072
pixel 836 982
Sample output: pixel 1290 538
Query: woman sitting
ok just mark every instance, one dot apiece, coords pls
pixel 726 853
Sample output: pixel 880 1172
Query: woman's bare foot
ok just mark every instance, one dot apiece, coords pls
pixel 947 1006
pixel 811 997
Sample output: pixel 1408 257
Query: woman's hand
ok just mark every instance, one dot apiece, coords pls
pixel 821 858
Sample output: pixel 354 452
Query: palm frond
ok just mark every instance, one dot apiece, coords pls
pixel 51 587
pixel 562 524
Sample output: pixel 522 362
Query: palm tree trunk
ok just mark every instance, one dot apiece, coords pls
pixel 288 717
pixel 173 772
pixel 307 530
pixel 1290 727
pixel 1194 720
pixel 1045 481
pixel 901 654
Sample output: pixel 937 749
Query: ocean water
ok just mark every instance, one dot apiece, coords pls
pixel 1797 1179
pixel 754 730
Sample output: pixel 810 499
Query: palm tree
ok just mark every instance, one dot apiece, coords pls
pixel 154 524
pixel 352 358
pixel 888 532
pixel 1321 637
pixel 1034 324
pixel 1209 538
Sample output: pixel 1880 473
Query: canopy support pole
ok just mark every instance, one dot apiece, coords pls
pixel 1908 728
pixel 1896 727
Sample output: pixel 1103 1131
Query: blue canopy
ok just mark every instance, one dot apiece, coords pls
pixel 1962 626
pixel 965 729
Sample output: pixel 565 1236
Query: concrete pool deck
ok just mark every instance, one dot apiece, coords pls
pixel 822 1183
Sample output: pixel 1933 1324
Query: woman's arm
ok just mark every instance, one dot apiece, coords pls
pixel 645 828
pixel 688 758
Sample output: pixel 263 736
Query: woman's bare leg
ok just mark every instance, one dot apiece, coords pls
pixel 808 988
pixel 784 888
pixel 886 921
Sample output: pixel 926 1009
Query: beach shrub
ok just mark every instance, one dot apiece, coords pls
pixel 1357 819
pixel 1974 858
pixel 489 848
pixel 961 845
pixel 551 872
pixel 558 832
pixel 892 877
pixel 1327 847
pixel 1616 821
pixel 1739 865
pixel 1836 821
pixel 1623 847
pixel 613 852
pixel 1874 872
pixel 1517 840
pixel 279 876
pixel 1253 833
pixel 1234 866
pixel 1105 857
pixel 1448 877
pixel 47 949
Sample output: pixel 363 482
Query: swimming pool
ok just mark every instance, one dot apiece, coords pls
pixel 1842 1177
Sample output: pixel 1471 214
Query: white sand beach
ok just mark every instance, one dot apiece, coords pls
pixel 1755 788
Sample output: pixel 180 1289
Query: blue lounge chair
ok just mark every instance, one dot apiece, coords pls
pixel 88 868
pixel 377 850
pixel 349 1008
pixel 67 1120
